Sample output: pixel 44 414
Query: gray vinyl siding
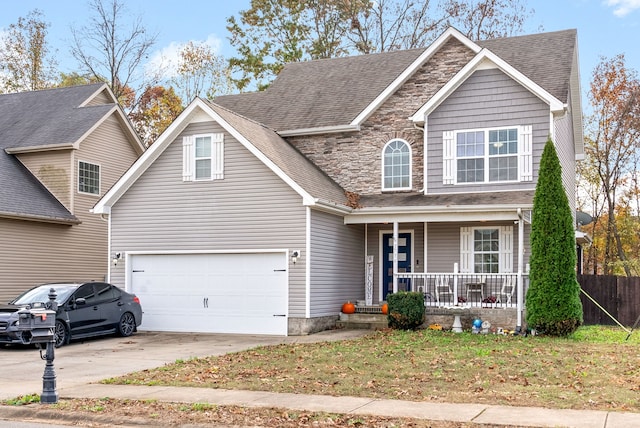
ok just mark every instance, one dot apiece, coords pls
pixel 443 244
pixel 34 252
pixel 337 263
pixel 566 154
pixel 54 170
pixel 250 209
pixel 487 99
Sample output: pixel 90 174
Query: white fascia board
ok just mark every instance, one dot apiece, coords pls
pixel 98 91
pixel 409 71
pixel 319 130
pixel 330 207
pixel 555 105
pixel 143 162
pixel 43 148
pixel 446 215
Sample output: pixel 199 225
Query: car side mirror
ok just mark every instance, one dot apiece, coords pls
pixel 80 301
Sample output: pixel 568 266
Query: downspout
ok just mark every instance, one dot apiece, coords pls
pixel 520 300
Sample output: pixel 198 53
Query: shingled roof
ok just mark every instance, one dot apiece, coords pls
pixel 332 92
pixel 41 119
pixel 293 163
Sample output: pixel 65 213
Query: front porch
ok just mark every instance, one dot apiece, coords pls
pixel 467 290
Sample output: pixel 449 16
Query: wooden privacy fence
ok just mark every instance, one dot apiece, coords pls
pixel 619 295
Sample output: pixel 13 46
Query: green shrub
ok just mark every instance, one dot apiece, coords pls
pixel 553 298
pixel 406 310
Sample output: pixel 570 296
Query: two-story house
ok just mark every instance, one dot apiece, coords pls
pixel 348 179
pixel 60 151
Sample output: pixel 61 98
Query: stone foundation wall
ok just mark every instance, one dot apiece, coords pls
pixel 499 318
pixel 305 326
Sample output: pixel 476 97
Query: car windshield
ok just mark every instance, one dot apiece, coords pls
pixel 41 294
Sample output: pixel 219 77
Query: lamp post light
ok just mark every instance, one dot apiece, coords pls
pixel 49 392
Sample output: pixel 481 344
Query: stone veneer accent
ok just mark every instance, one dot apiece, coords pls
pixel 352 159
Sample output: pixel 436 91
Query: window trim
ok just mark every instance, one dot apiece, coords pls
pixel 523 156
pixel 505 247
pixel 410 160
pixel 99 186
pixel 189 157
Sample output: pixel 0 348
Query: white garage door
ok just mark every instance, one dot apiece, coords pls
pixel 212 293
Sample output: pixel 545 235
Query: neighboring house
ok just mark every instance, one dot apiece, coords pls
pixel 348 179
pixel 60 151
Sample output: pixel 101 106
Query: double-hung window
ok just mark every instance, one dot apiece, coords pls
pixel 487 155
pixel 203 157
pixel 486 249
pixel 88 178
pixel 396 168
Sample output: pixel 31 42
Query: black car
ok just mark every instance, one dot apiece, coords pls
pixel 84 310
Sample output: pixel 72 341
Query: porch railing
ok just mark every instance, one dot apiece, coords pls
pixel 465 289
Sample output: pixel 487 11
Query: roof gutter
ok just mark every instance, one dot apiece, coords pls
pixel 319 130
pixel 42 148
pixel 331 207
pixel 38 218
pixel 480 213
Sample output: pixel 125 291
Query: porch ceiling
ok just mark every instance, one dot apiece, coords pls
pixel 413 206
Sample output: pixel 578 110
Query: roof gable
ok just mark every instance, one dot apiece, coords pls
pixel 53 119
pixel 315 187
pixel 485 59
pixel 339 94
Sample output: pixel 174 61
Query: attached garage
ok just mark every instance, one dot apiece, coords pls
pixel 240 293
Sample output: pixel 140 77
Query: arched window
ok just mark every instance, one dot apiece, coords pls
pixel 396 167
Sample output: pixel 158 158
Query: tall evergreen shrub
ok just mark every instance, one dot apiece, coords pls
pixel 553 299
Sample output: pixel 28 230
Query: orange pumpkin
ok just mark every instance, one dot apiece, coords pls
pixel 385 309
pixel 348 308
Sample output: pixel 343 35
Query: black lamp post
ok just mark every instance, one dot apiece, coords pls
pixel 49 392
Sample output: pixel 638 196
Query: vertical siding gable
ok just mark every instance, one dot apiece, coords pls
pixel 488 98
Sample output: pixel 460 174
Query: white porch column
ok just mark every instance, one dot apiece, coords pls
pixel 395 256
pixel 520 285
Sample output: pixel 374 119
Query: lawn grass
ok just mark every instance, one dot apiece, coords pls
pixel 595 368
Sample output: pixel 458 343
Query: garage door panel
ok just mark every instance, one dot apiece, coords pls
pixel 216 293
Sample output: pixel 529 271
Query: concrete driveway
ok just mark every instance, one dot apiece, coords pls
pixel 88 361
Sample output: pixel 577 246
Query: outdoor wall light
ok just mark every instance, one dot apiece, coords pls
pixel 116 257
pixel 294 256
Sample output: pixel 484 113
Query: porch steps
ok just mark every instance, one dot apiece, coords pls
pixel 362 321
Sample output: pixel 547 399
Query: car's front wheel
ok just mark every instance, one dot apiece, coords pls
pixel 127 324
pixel 60 335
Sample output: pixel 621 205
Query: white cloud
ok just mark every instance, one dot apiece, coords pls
pixel 164 61
pixel 623 7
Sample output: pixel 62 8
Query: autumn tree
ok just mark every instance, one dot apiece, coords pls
pixel 272 33
pixel 26 61
pixel 110 51
pixel 200 72
pixel 156 109
pixel 553 297
pixel 610 149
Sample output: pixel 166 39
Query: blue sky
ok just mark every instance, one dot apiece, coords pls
pixel 605 27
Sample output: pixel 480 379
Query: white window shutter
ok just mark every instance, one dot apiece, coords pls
pixel 217 150
pixel 187 158
pixel 506 249
pixel 466 249
pixel 448 157
pixel 525 153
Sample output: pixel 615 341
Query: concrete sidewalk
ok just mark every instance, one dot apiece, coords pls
pixel 477 413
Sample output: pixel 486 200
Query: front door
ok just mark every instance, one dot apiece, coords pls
pixel 404 262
